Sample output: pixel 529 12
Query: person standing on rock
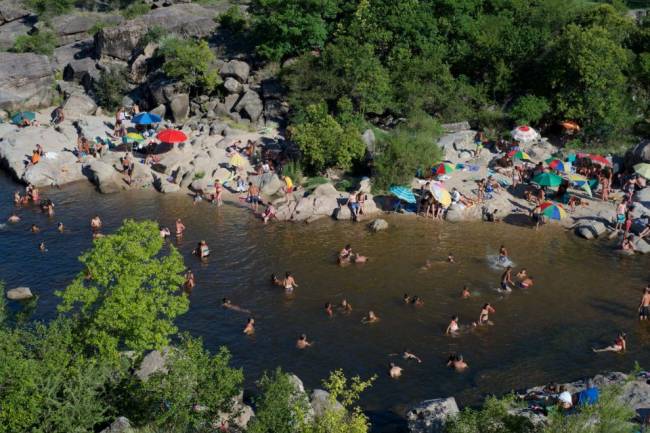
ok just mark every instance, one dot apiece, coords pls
pixel 644 306
pixel 353 204
pixel 218 192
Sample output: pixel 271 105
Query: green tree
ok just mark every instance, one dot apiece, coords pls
pixel 49 8
pixel 287 27
pixel 529 109
pixel 41 42
pixel 324 143
pixel 128 294
pixel 196 389
pixel 135 10
pixel 110 87
pixel 191 62
pixel 280 407
pixel 411 147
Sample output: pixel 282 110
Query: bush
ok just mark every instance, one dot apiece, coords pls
pixel 39 43
pixel 154 35
pixel 233 19
pixel 191 62
pixel 110 88
pixel 135 10
pixel 492 417
pixel 409 147
pixel 294 171
pixel 324 143
pixel 49 8
pixel 529 109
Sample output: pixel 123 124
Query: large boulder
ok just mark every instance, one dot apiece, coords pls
pixel 120 425
pixel 11 30
pixel 272 185
pixel 105 177
pixel 378 225
pixel 321 402
pixel 458 145
pixel 430 416
pixel 77 26
pixel 71 52
pixel 250 105
pixel 11 10
pixel 153 362
pixel 19 294
pixel 25 81
pixel 590 229
pixel 232 85
pixel 643 196
pixel 180 107
pixel 639 153
pixel 236 69
pixel 79 105
pixel 641 245
pixel 186 20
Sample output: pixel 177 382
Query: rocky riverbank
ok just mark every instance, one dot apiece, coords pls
pixel 430 416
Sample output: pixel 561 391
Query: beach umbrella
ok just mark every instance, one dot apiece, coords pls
pixel 558 165
pixel 552 210
pixel 524 134
pixel 171 136
pixel 23 115
pixel 547 179
pixel 599 159
pixel 642 169
pixel 441 194
pixel 572 157
pixel 237 160
pixel 519 154
pixel 403 193
pixel 146 119
pixel 443 168
pixel 134 136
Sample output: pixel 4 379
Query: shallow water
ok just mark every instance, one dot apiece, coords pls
pixel 584 294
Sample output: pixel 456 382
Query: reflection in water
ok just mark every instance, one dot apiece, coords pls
pixel 583 294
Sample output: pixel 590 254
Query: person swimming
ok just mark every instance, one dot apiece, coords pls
pixel 328 309
pixel 202 250
pixel 503 254
pixel 410 355
pixel 465 294
pixel 347 256
pixel 417 301
pixel 250 326
pixel 302 342
pixel 60 227
pixel 522 274
pixel 453 327
pixel 13 218
pixel 165 232
pixel 457 362
pixel 620 345
pixel 275 280
pixel 506 280
pixel 484 316
pixel 450 258
pixel 289 282
pixel 406 298
pixel 190 282
pixel 527 282
pixel 226 303
pixel 394 371
pixel 35 229
pixel 42 247
pixel 96 224
pixel 345 307
pixel 370 318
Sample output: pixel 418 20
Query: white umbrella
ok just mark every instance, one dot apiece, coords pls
pixel 524 134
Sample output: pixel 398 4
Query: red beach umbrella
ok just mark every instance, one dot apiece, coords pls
pixel 171 136
pixel 599 159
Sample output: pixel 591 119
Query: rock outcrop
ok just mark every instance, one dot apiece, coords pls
pixel 25 81
pixel 19 294
pixel 378 225
pixel 430 415
pixel 590 229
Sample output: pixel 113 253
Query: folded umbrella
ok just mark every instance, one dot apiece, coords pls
pixel 441 195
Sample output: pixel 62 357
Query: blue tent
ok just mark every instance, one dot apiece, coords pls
pixel 146 119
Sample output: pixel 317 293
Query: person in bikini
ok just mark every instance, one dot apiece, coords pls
pixel 620 345
pixel 453 327
pixel 289 282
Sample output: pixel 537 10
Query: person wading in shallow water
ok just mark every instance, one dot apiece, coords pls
pixel 644 306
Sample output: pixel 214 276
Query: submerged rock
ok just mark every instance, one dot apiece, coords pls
pixel 378 225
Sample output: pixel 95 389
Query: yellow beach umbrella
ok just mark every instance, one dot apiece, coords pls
pixel 642 169
pixel 441 195
pixel 237 160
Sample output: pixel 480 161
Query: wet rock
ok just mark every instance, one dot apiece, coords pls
pixel 590 229
pixel 236 69
pixel 641 245
pixel 19 294
pixel 120 425
pixel 378 225
pixel 342 213
pixel 153 362
pixel 639 153
pixel 25 81
pixel 430 416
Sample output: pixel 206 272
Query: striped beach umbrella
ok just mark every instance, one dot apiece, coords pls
pixel 554 211
pixel 557 164
pixel 524 134
pixel 519 154
pixel 403 193
pixel 443 168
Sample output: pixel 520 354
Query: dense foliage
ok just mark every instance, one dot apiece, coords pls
pixel 191 62
pixel 41 42
pixel 49 8
pixel 110 88
pixel 127 295
pixel 492 62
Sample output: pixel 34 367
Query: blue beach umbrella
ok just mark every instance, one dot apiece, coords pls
pixel 403 193
pixel 24 115
pixel 146 119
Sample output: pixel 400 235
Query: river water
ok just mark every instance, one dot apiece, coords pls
pixel 584 294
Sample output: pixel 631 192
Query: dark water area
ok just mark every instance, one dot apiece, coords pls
pixel 584 294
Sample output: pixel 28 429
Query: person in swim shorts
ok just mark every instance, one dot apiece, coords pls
pixel 644 306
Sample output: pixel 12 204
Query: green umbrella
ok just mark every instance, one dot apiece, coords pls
pixel 23 115
pixel 547 179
